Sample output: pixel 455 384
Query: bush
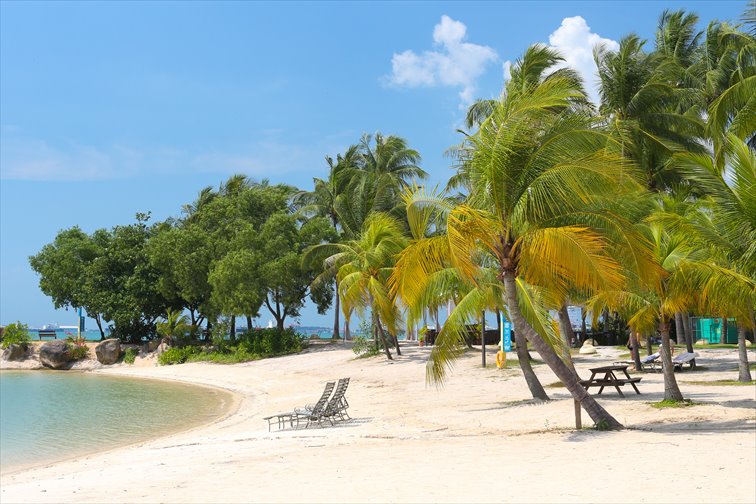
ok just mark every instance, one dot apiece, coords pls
pixel 77 347
pixel 17 333
pixel 178 355
pixel 268 342
pixel 130 355
pixel 364 347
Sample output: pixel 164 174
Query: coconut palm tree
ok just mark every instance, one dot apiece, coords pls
pixel 363 266
pixel 728 223
pixel 327 200
pixel 530 170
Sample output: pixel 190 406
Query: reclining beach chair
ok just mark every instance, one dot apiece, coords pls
pixel 292 416
pixel 650 361
pixel 684 358
pixel 338 404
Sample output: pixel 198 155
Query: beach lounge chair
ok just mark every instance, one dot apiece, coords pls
pixel 334 410
pixel 684 358
pixel 292 416
pixel 338 405
pixel 650 361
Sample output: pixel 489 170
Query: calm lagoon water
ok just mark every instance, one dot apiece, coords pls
pixel 48 415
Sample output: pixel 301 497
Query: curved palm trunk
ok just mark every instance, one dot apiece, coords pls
pixel 671 390
pixel 565 327
pixel 744 373
pixel 347 332
pixel 688 337
pixel 523 357
pixel 570 379
pixel 383 337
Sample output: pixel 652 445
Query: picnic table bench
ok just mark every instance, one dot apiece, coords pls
pixel 47 333
pixel 604 377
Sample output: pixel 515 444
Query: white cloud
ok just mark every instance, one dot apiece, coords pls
pixel 455 63
pixel 507 67
pixel 575 42
pixel 26 158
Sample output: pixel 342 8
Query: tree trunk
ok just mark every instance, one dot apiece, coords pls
pixel 99 326
pixel 523 357
pixel 336 312
pixel 744 373
pixel 483 337
pixel 347 332
pixel 723 339
pixel 671 390
pixel 600 416
pixel 232 331
pixel 679 328
pixel 688 337
pixel 383 338
pixel 249 323
pixel 649 345
pixel 565 327
pixel 635 350
pixel 583 327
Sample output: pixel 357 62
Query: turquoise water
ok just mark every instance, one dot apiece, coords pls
pixel 48 415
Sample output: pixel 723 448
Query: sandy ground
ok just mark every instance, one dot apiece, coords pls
pixel 478 439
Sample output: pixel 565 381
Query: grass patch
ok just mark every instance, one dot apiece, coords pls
pixel 556 384
pixel 752 366
pixel 720 382
pixel 673 404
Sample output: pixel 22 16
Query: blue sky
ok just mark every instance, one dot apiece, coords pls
pixel 113 108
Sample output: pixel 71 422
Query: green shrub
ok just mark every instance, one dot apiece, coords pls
pixel 178 355
pixel 17 333
pixel 364 347
pixel 268 342
pixel 130 355
pixel 77 347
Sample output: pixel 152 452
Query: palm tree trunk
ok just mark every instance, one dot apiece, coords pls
pixel 347 332
pixel 671 390
pixel 600 416
pixel 565 327
pixel 483 338
pixel 688 337
pixel 679 328
pixel 744 373
pixel 724 330
pixel 249 323
pixel 336 312
pixel 583 327
pixel 523 357
pixel 649 345
pixel 232 330
pixel 383 338
pixel 635 350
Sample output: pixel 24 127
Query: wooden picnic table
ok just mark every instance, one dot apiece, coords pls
pixel 604 377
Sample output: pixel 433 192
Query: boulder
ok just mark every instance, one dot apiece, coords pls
pixel 587 349
pixel 108 351
pixel 590 342
pixel 14 352
pixel 150 346
pixel 54 354
pixel 701 342
pixel 748 343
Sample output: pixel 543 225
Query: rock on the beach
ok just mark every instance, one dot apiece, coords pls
pixel 54 354
pixel 14 352
pixel 109 351
pixel 587 349
pixel 590 342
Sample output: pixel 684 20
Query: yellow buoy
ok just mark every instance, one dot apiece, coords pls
pixel 501 359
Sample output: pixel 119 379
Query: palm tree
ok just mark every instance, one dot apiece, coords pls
pixel 327 200
pixel 363 266
pixel 728 223
pixel 640 104
pixel 530 169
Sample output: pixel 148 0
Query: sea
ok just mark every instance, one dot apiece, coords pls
pixel 53 415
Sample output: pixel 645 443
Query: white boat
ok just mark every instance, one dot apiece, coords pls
pixel 50 327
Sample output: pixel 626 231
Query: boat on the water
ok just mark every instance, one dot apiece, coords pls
pixel 50 327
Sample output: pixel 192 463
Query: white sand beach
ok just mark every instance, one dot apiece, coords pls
pixel 478 439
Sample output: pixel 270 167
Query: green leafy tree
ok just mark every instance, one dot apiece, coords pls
pixel 15 334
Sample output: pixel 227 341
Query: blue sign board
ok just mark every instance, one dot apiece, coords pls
pixel 506 334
